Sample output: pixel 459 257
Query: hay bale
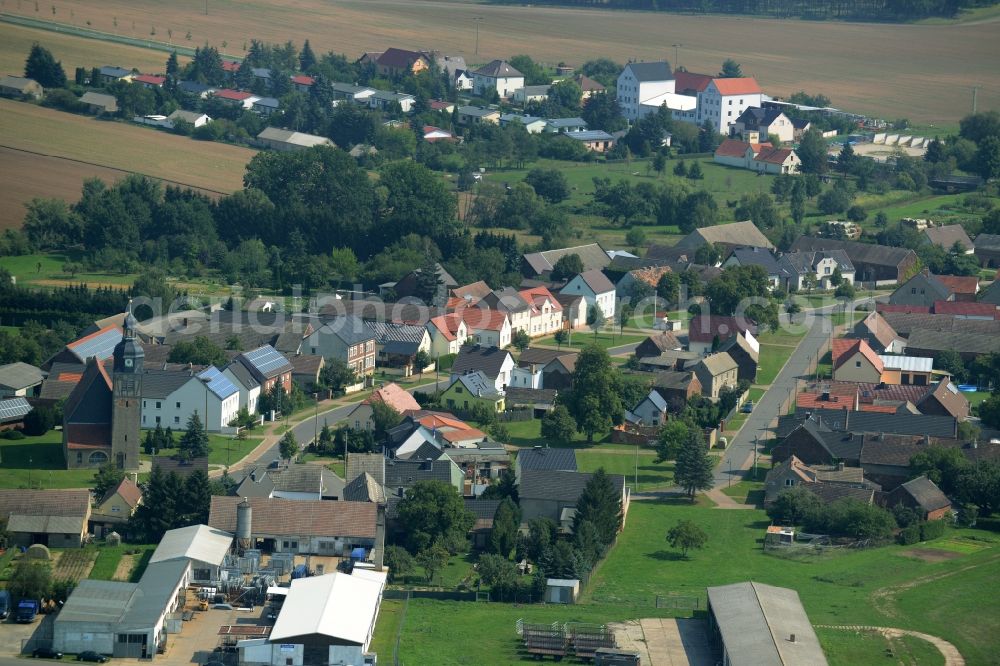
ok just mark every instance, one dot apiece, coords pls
pixel 38 552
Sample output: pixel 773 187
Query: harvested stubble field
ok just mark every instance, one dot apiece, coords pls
pixel 45 152
pixel 922 72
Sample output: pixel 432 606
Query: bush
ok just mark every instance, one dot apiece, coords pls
pixel 39 421
pixel 932 529
pixel 909 535
pixel 12 434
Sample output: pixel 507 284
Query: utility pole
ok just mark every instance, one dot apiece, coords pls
pixel 975 93
pixel 676 54
pixel 477 20
pixel 316 420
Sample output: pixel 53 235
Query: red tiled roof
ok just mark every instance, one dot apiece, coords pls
pixel 483 319
pixel 127 490
pixel 908 309
pixel 278 517
pixel 537 295
pixel 732 148
pixel 960 284
pixel 742 86
pixel 834 400
pixel 684 81
pixel 150 79
pixel 394 396
pixel 704 328
pixel 235 95
pixel 303 80
pixel 588 84
pixel 962 308
pixel 69 377
pixel 773 155
pixel 447 324
pixel 882 409
pixel 438 105
pixel 230 65
pixel 854 347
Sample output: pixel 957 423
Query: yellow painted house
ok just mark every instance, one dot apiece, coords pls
pixel 471 388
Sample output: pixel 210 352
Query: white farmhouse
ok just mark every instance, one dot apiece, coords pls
pixel 724 100
pixel 497 75
pixel 595 287
pixel 641 81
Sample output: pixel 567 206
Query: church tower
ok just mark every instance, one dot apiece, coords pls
pixel 127 395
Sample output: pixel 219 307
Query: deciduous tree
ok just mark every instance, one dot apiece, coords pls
pixel 685 536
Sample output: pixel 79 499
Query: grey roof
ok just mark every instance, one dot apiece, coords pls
pixel 801 263
pixel 161 383
pixel 498 69
pixel 719 363
pixel 966 343
pixel 385 331
pixel 535 91
pixel 364 488
pixel 18 376
pixel 16 82
pixel 592 255
pixel 349 89
pixel 488 360
pixel 926 493
pixel 195 88
pixel 109 102
pixel 404 473
pixel 305 478
pixel 540 355
pixel 110 70
pixel 483 509
pixel 879 255
pixel 194 542
pixel 759 256
pixel 256 484
pixel 901 424
pixel 906 323
pixel 362 463
pixel 756 621
pixel 530 396
pixel 293 138
pixel 673 379
pixel 835 492
pixel 477 383
pixel 476 111
pixel 988 242
pixel 946 236
pixel 741 342
pixel 657 400
pixel 743 233
pixel 269 102
pixel 651 71
pixel 242 375
pixel 546 459
pixel 559 485
pixel 754 115
pixel 391 96
pixel 922 280
pixel 189 116
pixel 590 135
pixel 261 72
pixel 560 123
pixel 597 281
pixel 350 329
pixel 18 522
pixel 991 294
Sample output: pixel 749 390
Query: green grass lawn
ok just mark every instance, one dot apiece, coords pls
pixel 108 558
pixel 850 648
pixel 751 489
pixel 457 571
pixel 772 359
pixel 526 434
pixel 976 397
pixel 604 339
pixel 651 475
pixel 39 462
pixel 48 269
pixel 222 449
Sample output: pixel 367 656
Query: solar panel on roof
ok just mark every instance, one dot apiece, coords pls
pixel 217 383
pixel 266 359
pixel 101 345
pixel 13 409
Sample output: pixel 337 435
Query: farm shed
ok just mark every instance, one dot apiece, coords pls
pixel 762 625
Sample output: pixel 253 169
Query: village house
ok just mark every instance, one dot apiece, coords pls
pixel 299 481
pixel 391 395
pixel 528 94
pixel 565 125
pixel 546 311
pixel 269 367
pixel 19 380
pixel 965 288
pixel 265 106
pixel 880 264
pixel 818 268
pixel 923 289
pixel 497 75
pixel 677 387
pixel 596 141
pixel 544 459
pixel 987 250
pixel 149 81
pixel 448 334
pixel 856 361
pixel 495 363
pixel 532 124
pixel 432 134
pixel 397 345
pixel 238 98
pixel 725 237
pixel 351 93
pixel 383 100
pixel 650 411
pixel 111 74
pixel 490 328
pixel 249 387
pixel 509 301
pixel 756 124
pixel 287 140
pixel 553 494
pixel 922 495
pixel 302 83
pixel 395 62
pixel 638 282
pixel 642 82
pixel 99 103
pixel 724 100
pixel 574 311
pixel 715 373
pixel 707 332
pixel 349 339
pixel 596 289
pixel 777 275
pixel 793 472
pixel 476 115
pixel 656 344
pixel 199 90
pixel 170 398
pixel 53 518
pixel 946 237
pixel 558 373
pixel 111 512
pixel 879 335
pixel 759 157
pixel 471 389
pixel 588 86
pixel 401 475
pixel 744 349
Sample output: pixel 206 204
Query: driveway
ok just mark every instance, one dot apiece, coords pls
pixel 667 641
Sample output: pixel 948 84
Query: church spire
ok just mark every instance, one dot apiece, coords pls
pixel 130 323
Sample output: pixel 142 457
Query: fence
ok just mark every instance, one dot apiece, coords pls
pixel 678 602
pixel 440 595
pixel 516 414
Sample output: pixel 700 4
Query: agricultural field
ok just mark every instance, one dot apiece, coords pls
pixel 84 143
pixel 835 58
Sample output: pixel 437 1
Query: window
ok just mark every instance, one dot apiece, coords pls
pixel 458 389
pixel 789 482
pixel 79 457
pixel 157 419
pixel 857 364
pixel 143 418
pixel 826 270
pixel 144 404
pixel 178 405
pixel 98 458
pixel 116 509
pixel 158 404
pixel 177 419
pixel 913 290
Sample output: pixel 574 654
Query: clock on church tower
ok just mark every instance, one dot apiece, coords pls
pixel 126 402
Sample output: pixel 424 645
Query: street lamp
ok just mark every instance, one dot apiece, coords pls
pixel 316 420
pixel 676 55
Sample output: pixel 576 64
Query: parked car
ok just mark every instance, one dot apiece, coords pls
pixel 91 656
pixel 4 604
pixel 46 653
pixel 747 407
pixel 223 607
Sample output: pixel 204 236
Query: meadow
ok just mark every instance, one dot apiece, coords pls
pixel 887 586
pixel 83 143
pixel 871 68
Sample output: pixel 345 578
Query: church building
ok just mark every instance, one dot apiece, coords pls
pixel 101 416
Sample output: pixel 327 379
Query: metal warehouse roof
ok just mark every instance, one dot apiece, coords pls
pixel 13 409
pixel 907 363
pixel 336 605
pixel 197 542
pixel 757 623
